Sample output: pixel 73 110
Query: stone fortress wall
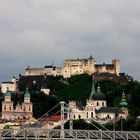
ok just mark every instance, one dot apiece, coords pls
pixel 76 67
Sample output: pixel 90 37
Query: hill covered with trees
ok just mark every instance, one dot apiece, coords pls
pixel 78 88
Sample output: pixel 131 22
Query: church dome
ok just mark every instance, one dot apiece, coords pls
pixel 98 95
pixel 27 93
pixel 8 93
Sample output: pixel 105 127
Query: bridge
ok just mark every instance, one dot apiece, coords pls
pixel 58 134
pixel 36 132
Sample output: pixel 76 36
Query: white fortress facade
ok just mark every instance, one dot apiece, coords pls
pixel 76 67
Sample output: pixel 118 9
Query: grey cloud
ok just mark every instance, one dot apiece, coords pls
pixel 35 32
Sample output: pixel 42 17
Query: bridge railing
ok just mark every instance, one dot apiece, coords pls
pixel 37 133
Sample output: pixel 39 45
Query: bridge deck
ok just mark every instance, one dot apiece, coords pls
pixel 31 133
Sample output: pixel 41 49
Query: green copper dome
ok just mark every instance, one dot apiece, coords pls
pixel 98 95
pixel 8 93
pixel 123 103
pixel 27 93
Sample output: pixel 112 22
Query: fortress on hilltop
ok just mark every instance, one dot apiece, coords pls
pixel 39 78
pixel 76 67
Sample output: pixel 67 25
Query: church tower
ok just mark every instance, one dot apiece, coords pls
pixel 99 98
pixel 123 104
pixel 7 106
pixel 96 101
pixel 27 105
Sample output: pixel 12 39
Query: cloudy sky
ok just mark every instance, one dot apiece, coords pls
pixel 35 32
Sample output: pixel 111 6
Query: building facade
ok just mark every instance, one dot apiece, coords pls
pixel 76 67
pixel 12 85
pixel 96 108
pixel 23 111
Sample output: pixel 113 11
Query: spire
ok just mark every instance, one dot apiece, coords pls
pixel 93 88
pixel 123 103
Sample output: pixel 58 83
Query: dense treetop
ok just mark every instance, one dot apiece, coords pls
pixel 79 88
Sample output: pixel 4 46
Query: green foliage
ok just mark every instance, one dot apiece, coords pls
pixel 78 88
pixel 42 103
pixel 7 127
pixel 84 125
pixel 130 124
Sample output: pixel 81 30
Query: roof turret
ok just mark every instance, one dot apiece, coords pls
pixel 90 57
pixel 96 95
pixel 98 89
pixel 99 95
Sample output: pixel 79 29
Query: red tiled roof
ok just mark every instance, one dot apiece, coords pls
pixel 53 118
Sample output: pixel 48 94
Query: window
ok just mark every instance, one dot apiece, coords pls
pixel 102 103
pixel 79 116
pixel 74 116
pixel 108 117
pixel 24 108
pixel 87 114
pixel 97 103
pixel 91 114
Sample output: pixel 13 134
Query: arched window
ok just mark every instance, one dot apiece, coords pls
pixel 108 117
pixel 24 108
pixel 87 114
pixel 29 109
pixel 91 114
pixel 79 116
pixel 74 116
pixel 97 103
pixel 102 103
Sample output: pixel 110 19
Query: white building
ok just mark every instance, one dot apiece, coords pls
pixel 96 108
pixel 12 85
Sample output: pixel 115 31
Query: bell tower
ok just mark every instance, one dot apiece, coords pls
pixel 27 105
pixel 123 104
pixel 7 106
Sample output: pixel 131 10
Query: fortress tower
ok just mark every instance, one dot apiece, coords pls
pixel 116 66
pixel 90 65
